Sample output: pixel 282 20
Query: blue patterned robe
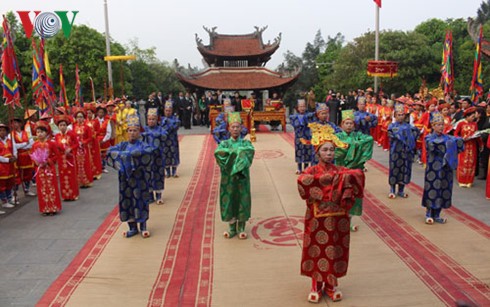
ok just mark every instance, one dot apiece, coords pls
pixel 220 131
pixel 442 160
pixel 133 162
pixel 403 138
pixel 361 123
pixel 171 150
pixel 303 153
pixel 156 137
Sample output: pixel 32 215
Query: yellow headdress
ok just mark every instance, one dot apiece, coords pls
pixel 436 118
pixel 399 108
pixel 152 112
pixel 234 117
pixel 133 121
pixel 168 104
pixel 322 134
pixel 347 114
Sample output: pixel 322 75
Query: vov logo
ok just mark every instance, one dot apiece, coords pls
pixel 47 24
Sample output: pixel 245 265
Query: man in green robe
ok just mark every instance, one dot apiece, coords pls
pixel 360 150
pixel 234 157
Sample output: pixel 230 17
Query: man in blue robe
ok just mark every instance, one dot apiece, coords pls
pixel 442 160
pixel 403 138
pixel 171 124
pixel 363 119
pixel 133 160
pixel 156 136
pixel 303 152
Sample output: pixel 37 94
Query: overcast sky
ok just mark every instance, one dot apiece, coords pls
pixel 170 25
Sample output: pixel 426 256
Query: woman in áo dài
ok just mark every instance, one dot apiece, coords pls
pixel 67 165
pixel 94 125
pixel 45 154
pixel 84 137
pixel 330 192
pixel 25 166
pixel 467 160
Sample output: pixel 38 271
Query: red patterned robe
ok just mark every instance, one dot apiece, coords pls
pixel 25 166
pixel 84 137
pixel 416 116
pixel 330 192
pixel 48 192
pixel 113 120
pixel 67 165
pixel 426 126
pixel 6 169
pixel 465 173
pixel 385 118
pixel 104 146
pixel 96 160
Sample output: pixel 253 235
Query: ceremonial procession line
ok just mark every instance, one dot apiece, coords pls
pixel 395 258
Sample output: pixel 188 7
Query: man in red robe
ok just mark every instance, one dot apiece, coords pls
pixel 330 192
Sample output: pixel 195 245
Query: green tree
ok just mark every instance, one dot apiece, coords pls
pixel 414 63
pixel 483 13
pixel 325 62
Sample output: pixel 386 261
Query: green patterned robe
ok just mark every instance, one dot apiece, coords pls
pixel 360 150
pixel 234 158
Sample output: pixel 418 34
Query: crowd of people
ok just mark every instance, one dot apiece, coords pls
pixel 444 135
pixel 193 110
pixel 66 149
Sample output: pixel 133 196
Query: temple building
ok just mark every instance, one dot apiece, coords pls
pixel 237 63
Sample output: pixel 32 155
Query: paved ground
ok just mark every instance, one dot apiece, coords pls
pixel 34 250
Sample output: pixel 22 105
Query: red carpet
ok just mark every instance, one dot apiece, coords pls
pixel 186 274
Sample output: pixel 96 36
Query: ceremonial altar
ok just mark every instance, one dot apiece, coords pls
pixel 267 116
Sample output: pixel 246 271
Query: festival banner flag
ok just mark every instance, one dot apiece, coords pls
pixel 42 91
pixel 47 68
pixel 477 82
pixel 63 99
pixel 37 72
pixel 447 75
pixel 77 87
pixel 10 83
pixel 378 2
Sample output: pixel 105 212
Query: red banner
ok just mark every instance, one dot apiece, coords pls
pixel 382 69
pixel 378 2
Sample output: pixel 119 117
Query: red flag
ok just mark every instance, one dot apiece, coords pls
pixel 378 2
pixel 77 87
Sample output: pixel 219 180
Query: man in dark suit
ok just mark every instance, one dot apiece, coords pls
pixel 186 107
pixel 334 109
pixel 180 103
pixel 236 101
pixel 465 104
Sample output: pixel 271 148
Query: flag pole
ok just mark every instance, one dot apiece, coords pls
pixel 108 51
pixel 376 46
